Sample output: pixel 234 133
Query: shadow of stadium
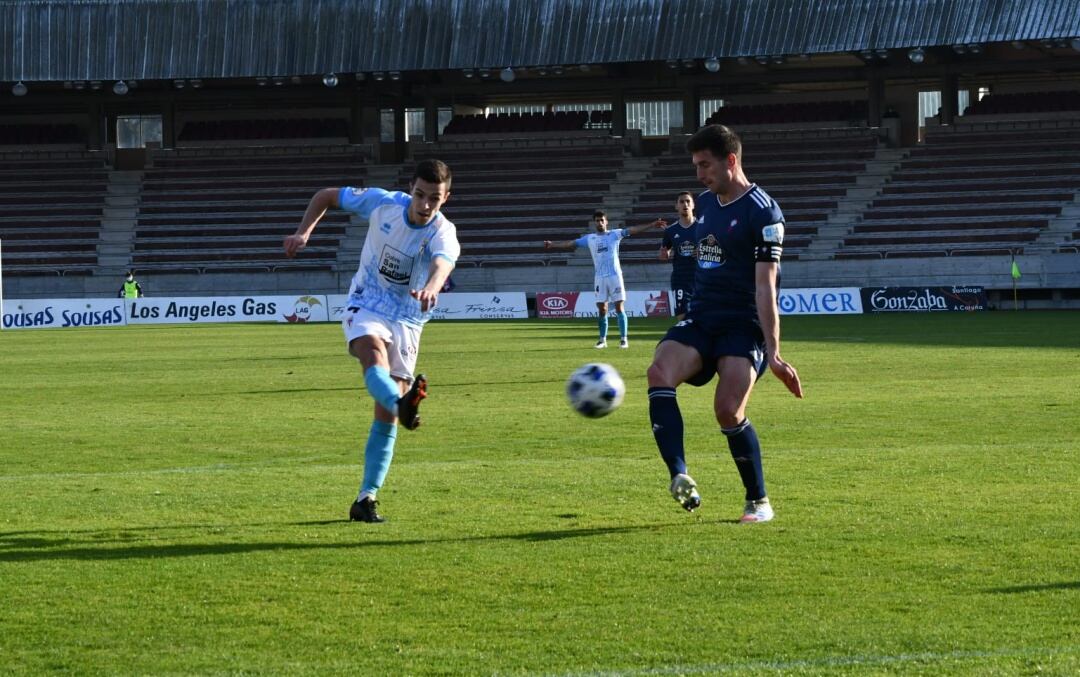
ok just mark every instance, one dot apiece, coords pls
pixel 14 547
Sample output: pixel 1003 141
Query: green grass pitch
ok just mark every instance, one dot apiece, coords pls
pixel 173 501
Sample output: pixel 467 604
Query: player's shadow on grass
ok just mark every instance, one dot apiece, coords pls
pixel 22 547
pixel 1015 589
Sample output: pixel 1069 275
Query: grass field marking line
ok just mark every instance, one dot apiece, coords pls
pixel 831 662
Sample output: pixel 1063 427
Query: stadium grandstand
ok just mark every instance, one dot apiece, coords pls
pixel 183 138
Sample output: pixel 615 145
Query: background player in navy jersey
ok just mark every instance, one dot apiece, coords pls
pixel 409 251
pixel 732 329
pixel 608 277
pixel 678 246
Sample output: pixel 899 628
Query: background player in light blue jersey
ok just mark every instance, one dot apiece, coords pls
pixel 409 253
pixel 679 246
pixel 608 278
pixel 732 328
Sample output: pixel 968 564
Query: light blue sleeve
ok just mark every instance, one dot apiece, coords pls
pixel 623 232
pixel 582 241
pixel 361 201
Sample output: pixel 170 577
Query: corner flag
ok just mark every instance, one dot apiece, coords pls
pixel 1015 277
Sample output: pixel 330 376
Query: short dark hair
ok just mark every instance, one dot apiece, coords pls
pixel 721 141
pixel 598 213
pixel 685 192
pixel 432 171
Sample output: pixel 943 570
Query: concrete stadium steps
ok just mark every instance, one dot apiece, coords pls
pixel 213 209
pixel 209 223
pixel 240 206
pixel 239 184
pixel 975 162
pixel 957 211
pixel 508 191
pixel 921 251
pixel 964 134
pixel 1052 196
pixel 51 210
pixel 963 192
pixel 297 159
pixel 284 172
pixel 1060 179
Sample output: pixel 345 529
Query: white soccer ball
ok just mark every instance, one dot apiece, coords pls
pixel 595 390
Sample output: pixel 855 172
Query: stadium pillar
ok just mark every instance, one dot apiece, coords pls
pixel 431 120
pixel 949 89
pixel 366 125
pixel 691 104
pixel 168 125
pixel 875 98
pixel 95 115
pixel 400 141
pixel 618 113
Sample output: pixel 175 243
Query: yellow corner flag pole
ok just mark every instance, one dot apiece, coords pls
pixel 1015 277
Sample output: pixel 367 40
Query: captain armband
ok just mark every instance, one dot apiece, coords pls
pixel 768 253
pixel 771 247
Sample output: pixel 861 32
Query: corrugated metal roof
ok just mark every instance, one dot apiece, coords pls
pixel 151 39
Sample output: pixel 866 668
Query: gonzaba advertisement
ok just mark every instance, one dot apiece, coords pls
pixel 923 299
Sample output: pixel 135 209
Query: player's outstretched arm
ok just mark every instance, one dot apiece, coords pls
pixel 559 244
pixel 320 202
pixel 428 296
pixel 769 316
pixel 659 223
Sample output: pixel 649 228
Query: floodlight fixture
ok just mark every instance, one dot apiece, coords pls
pixel 507 74
pixel 19 89
pixel 712 64
pixel 330 80
pixel 917 55
pixel 120 88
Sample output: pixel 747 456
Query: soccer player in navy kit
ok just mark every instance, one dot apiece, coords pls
pixel 678 247
pixel 732 328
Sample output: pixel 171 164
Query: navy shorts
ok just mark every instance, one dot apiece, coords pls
pixel 746 341
pixel 682 299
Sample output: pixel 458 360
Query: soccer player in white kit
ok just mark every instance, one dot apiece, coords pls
pixel 608 280
pixel 409 252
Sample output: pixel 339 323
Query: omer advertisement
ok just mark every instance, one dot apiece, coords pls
pixel 60 313
pixel 459 306
pixel 832 301
pixel 198 309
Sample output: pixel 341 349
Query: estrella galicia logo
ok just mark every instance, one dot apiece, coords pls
pixel 385 227
pixel 710 253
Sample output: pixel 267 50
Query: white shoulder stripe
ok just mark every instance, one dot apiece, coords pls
pixel 760 199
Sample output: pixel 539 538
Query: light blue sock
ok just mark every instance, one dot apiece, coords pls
pixel 384 389
pixel 623 324
pixel 377 456
pixel 602 321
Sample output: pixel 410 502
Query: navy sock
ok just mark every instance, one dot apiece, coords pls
pixel 746 450
pixel 667 427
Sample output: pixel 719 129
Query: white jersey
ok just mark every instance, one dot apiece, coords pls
pixel 397 254
pixel 604 248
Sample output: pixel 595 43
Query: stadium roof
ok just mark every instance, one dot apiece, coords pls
pixel 55 40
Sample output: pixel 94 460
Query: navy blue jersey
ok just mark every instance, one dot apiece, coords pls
pixel 681 241
pixel 731 240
